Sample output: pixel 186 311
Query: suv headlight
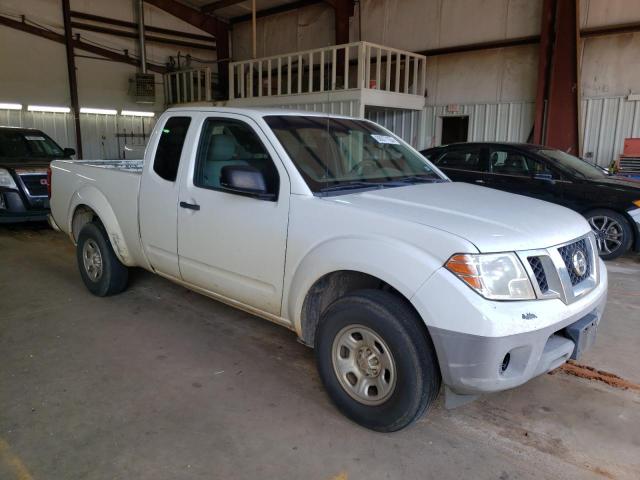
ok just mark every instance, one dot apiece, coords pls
pixel 6 180
pixel 496 276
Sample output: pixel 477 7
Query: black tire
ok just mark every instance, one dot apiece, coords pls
pixel 418 379
pixel 114 275
pixel 621 228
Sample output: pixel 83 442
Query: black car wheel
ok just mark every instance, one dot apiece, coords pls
pixel 376 360
pixel 613 233
pixel 101 271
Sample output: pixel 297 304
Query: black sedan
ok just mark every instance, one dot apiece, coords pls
pixel 25 155
pixel 610 204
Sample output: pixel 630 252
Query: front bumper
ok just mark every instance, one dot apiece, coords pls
pixel 14 208
pixel 472 335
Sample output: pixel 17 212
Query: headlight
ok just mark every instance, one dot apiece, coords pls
pixel 496 276
pixel 6 180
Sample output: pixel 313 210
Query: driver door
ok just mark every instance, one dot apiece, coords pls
pixel 229 243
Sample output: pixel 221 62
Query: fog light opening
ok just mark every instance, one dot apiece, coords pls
pixel 505 363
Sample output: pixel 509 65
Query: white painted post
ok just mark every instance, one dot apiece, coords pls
pixel 334 62
pixel 322 70
pixel 378 67
pixel 387 85
pixel 310 72
pixel 279 76
pixel 300 71
pixel 232 81
pixel 269 77
pixel 398 63
pixel 260 79
pixel 289 75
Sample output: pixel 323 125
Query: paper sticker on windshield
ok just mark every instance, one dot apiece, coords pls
pixel 218 130
pixel 385 139
pixel 34 139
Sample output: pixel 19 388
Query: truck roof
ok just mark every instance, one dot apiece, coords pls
pixel 255 112
pixel 19 129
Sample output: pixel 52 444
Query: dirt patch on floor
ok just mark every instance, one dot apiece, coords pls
pixel 584 371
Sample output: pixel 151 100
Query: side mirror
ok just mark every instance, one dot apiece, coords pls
pixel 245 180
pixel 68 152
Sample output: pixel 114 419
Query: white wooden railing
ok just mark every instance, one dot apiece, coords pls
pixel 187 86
pixel 355 65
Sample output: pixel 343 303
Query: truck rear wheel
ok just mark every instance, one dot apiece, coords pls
pixel 100 269
pixel 376 360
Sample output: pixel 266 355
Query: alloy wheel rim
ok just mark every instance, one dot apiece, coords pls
pixel 608 233
pixel 364 365
pixel 92 260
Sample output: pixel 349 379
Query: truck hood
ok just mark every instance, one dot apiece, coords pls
pixel 492 220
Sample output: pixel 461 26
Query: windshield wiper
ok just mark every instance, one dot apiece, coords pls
pixel 417 179
pixel 351 185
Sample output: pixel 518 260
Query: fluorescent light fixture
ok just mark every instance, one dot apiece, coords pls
pixel 98 111
pixel 10 106
pixel 133 113
pixel 41 108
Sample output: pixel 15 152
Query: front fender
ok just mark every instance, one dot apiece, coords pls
pixel 400 264
pixel 92 197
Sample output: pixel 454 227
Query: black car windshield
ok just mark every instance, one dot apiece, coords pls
pixel 573 164
pixel 21 144
pixel 336 154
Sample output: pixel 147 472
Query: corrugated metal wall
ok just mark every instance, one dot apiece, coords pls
pixel 404 123
pixel 99 140
pixel 604 125
pixel 346 107
pixel 487 122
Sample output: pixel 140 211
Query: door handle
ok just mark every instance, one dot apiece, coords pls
pixel 479 181
pixel 190 206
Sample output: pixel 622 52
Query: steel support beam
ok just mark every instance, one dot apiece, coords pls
pixel 71 70
pixel 148 28
pixel 193 17
pixel 556 122
pixel 213 6
pixel 77 43
pixel 343 9
pixel 149 38
pixel 208 24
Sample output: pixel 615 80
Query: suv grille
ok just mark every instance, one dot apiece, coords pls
pixel 33 182
pixel 538 271
pixel 567 253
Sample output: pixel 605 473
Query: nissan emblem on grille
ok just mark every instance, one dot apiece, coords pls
pixel 579 262
pixel 576 260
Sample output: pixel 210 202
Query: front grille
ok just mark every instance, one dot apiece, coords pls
pixel 35 183
pixel 567 253
pixel 538 271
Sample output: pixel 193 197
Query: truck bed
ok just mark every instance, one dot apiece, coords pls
pixel 133 166
pixel 109 185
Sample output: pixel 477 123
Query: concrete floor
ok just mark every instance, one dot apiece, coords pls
pixel 161 383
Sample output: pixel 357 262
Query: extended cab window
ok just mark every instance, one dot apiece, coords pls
pixel 170 146
pixel 226 142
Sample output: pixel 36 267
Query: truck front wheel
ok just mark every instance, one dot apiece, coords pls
pixel 101 271
pixel 376 360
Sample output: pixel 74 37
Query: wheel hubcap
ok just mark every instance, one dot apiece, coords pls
pixel 608 233
pixel 364 365
pixel 92 260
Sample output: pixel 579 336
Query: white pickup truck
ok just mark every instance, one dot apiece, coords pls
pixel 335 228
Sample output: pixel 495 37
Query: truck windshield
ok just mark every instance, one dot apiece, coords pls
pixel 21 144
pixel 335 154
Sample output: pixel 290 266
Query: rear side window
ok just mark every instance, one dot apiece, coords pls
pixel 460 159
pixel 170 146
